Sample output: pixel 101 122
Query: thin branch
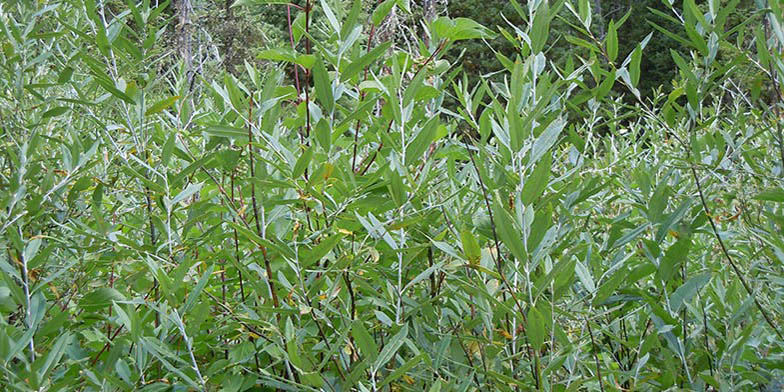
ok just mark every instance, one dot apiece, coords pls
pixel 729 258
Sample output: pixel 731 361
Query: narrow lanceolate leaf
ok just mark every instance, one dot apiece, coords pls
pixel 161 105
pixel 365 61
pixel 634 65
pixel 607 84
pixel 194 294
pixel 60 110
pixel 470 246
pixel 508 232
pixel 422 141
pixel 773 194
pixel 391 348
pixel 612 41
pixel 367 346
pixel 537 181
pixel 323 134
pixel 315 254
pixel 100 298
pixel 546 140
pixel 65 75
pixel 186 193
pixel 32 249
pixel 381 11
pixel 687 291
pixel 535 328
pixel 400 371
pixel 226 131
pixel 675 255
pixel 302 163
pixel 323 86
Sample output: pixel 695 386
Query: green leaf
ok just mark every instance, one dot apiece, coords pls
pixel 381 11
pixel 417 147
pixel 687 291
pixel 323 86
pixel 288 55
pixel 546 140
pixel 675 255
pixel 161 105
pixel 535 328
pixel 470 246
pixel 508 232
pixel 607 288
pixel 318 252
pixel 55 355
pixel 331 18
pixel 302 163
pixel 186 193
pixel 100 298
pixel 367 345
pixel 351 20
pixel 365 61
pixel 32 249
pixel 323 134
pixel 391 348
pixel 55 112
pixel 226 131
pixel 537 180
pixel 65 75
pixel 584 13
pixel 604 88
pixel 772 194
pixel 634 65
pixel 168 148
pixel 399 372
pixel 658 202
pixel 630 235
pixel 465 28
pixel 673 219
pixel 611 41
pixel 112 89
pixel 540 28
pixel 194 294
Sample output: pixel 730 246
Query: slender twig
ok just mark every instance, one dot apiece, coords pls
pixel 362 94
pixel 705 334
pixel 499 261
pixel 26 286
pixel 120 328
pixel 267 265
pixel 467 354
pixel 595 356
pixel 291 39
pixel 772 74
pixel 237 244
pixel 729 258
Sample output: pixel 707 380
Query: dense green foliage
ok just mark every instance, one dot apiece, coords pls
pixel 336 212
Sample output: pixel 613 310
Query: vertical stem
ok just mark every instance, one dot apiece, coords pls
pixel 595 356
pixel 729 258
pixel 237 243
pixel 705 334
pixel 291 39
pixel 362 96
pixel 499 265
pixel 267 265
pixel 184 8
pixel 683 317
pixel 26 287
pixel 307 75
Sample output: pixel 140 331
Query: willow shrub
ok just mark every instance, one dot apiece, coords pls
pixel 329 223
